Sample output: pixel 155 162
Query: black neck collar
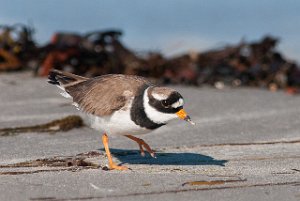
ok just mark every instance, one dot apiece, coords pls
pixel 137 112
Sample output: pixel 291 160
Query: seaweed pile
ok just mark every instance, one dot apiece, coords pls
pixel 96 53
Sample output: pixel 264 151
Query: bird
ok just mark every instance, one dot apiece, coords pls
pixel 118 104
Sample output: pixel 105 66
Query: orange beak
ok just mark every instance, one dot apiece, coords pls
pixel 182 115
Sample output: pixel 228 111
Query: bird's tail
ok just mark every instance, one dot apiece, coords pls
pixel 64 79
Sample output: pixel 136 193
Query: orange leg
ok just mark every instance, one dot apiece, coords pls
pixel 142 144
pixel 112 165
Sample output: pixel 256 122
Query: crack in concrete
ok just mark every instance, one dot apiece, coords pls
pixel 168 191
pixel 76 169
pixel 265 158
pixel 252 143
pixel 248 143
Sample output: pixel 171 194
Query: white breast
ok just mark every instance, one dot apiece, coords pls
pixel 119 123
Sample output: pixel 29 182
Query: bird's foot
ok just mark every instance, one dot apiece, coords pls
pixel 143 145
pixel 114 166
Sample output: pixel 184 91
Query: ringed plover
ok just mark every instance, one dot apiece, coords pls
pixel 121 105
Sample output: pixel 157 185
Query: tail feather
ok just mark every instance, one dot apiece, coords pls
pixel 64 79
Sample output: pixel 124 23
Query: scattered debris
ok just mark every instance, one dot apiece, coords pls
pixel 256 64
pixel 94 186
pixel 64 124
pixel 60 163
pixel 18 49
pixel 214 182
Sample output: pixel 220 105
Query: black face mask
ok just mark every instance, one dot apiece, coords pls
pixel 165 106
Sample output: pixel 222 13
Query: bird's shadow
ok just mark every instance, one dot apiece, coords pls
pixel 165 158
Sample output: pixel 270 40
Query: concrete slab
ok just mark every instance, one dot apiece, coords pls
pixel 245 146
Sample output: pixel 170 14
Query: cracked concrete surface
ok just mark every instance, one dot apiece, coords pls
pixel 245 146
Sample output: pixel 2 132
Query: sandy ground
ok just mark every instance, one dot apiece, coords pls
pixel 245 146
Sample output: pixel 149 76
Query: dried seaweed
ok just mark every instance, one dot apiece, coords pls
pixel 64 124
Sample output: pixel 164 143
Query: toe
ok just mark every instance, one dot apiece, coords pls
pixel 118 167
pixel 153 154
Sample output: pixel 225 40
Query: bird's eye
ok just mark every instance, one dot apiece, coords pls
pixel 164 103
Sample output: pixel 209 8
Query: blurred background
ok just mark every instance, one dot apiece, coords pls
pixel 219 43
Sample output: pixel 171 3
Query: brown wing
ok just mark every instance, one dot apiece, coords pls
pixel 105 94
pixel 64 79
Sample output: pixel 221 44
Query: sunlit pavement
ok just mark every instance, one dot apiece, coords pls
pixel 245 146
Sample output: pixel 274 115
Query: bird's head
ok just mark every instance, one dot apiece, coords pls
pixel 165 104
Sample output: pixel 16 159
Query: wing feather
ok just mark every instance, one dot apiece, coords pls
pixel 104 95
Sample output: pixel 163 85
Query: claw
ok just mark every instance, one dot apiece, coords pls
pixel 117 167
pixel 142 145
pixel 153 155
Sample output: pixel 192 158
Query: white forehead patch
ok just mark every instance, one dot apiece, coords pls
pixel 159 96
pixel 177 104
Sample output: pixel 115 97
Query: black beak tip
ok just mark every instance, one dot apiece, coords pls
pixel 188 119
